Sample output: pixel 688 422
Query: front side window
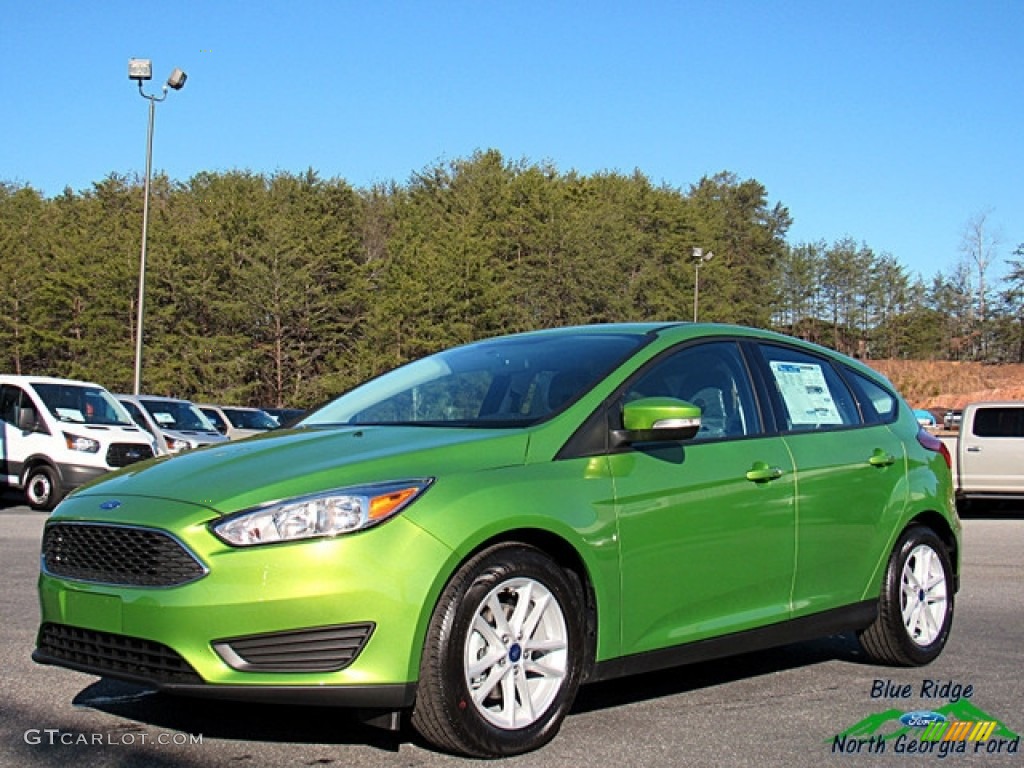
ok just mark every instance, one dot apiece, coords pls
pixel 9 399
pixel 711 376
pixel 812 395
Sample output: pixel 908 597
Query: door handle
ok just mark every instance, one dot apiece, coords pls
pixel 881 459
pixel 762 473
pixel 973 449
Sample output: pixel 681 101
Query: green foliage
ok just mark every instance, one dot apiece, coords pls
pixel 288 289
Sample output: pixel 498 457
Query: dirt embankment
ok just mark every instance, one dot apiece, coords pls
pixel 940 385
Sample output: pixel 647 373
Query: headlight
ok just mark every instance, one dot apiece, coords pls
pixel 84 444
pixel 174 445
pixel 324 514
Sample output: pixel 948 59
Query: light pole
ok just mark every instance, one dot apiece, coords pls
pixel 141 70
pixel 699 258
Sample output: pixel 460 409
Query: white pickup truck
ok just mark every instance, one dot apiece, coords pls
pixel 988 452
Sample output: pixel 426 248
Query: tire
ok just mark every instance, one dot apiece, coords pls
pixel 503 655
pixel 42 488
pixel 915 610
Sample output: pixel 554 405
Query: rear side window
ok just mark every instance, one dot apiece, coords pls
pixel 812 394
pixel 998 422
pixel 876 403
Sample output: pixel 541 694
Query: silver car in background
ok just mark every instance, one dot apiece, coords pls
pixel 237 421
pixel 177 425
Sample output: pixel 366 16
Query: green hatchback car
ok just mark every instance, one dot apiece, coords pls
pixel 469 538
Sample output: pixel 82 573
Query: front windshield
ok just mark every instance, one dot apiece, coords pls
pixel 245 419
pixel 83 404
pixel 513 381
pixel 178 415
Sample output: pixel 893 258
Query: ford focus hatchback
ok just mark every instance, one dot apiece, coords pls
pixel 469 538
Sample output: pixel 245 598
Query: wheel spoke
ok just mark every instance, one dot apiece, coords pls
pixel 497 609
pixel 495 676
pixel 525 697
pixel 524 597
pixel 508 695
pixel 538 668
pixel 534 617
pixel 492 657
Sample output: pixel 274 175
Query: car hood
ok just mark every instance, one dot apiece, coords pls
pixel 231 476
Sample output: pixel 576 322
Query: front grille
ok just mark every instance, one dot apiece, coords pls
pixel 123 454
pixel 104 653
pixel 323 649
pixel 120 555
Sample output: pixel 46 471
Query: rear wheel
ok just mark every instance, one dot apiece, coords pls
pixel 915 610
pixel 42 488
pixel 503 656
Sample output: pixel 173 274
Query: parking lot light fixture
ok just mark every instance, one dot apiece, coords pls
pixel 141 70
pixel 699 257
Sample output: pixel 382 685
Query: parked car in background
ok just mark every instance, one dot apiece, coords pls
pixel 176 425
pixel 475 534
pixel 988 452
pixel 236 422
pixel 57 434
pixel 924 418
pixel 952 418
pixel 285 417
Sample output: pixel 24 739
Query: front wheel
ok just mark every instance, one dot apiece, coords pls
pixel 42 488
pixel 503 655
pixel 915 610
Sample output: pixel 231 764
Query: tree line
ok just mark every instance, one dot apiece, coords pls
pixel 288 289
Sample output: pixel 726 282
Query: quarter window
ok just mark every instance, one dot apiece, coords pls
pixel 878 404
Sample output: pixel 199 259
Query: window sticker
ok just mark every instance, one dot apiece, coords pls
pixel 163 418
pixel 70 414
pixel 803 387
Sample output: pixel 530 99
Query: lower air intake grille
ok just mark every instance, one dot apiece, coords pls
pixel 104 653
pixel 323 649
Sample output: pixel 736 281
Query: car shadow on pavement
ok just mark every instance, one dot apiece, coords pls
pixel 239 721
pixel 259 722
pixel 690 677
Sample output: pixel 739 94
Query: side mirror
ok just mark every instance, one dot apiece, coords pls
pixel 657 419
pixel 28 420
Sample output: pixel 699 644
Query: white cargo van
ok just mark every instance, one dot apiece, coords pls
pixel 57 434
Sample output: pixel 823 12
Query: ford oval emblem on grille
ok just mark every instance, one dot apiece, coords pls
pixel 112 504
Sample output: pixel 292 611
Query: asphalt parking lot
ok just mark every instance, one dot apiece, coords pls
pixel 787 706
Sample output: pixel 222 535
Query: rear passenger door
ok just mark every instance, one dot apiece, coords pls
pixel 849 473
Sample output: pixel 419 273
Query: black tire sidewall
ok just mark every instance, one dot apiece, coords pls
pixel 460 607
pixel 913 538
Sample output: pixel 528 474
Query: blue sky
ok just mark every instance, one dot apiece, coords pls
pixel 890 122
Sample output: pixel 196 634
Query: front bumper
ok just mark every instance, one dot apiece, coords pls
pixel 335 621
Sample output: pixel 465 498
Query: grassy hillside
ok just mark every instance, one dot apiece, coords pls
pixel 939 385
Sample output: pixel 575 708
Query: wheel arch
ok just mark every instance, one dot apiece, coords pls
pixel 940 525
pixel 38 460
pixel 554 546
